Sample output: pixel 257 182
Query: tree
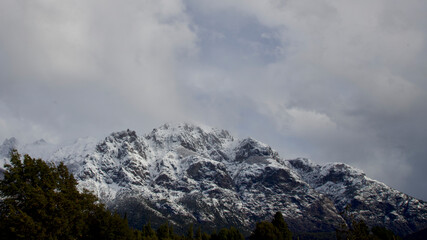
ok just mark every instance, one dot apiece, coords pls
pixel 234 234
pixel 227 234
pixel 163 232
pixel 199 233
pixel 190 232
pixel 147 230
pixel 276 229
pixel 282 226
pixel 265 230
pixel 39 200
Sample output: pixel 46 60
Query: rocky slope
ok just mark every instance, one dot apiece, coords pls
pixel 370 200
pixel 184 173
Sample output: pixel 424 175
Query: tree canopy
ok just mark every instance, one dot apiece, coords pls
pixel 40 200
pixel 277 229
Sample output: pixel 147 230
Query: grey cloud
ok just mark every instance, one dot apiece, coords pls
pixel 84 67
pixel 333 81
pixel 348 83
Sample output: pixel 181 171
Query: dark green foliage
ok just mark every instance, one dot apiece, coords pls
pixel 198 234
pixel 205 236
pixel 282 226
pixel 163 232
pixel 277 229
pixel 227 234
pixel 265 230
pixel 315 236
pixel 40 201
pixel 190 232
pixel 148 232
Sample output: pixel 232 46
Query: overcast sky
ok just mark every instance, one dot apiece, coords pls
pixel 330 80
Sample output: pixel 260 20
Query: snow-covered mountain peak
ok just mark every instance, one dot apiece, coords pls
pixel 186 173
pixel 123 143
pixel 342 167
pixel 347 185
pixel 126 135
pixel 249 148
pixel 330 172
pixel 202 141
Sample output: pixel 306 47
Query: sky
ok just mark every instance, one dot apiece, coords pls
pixel 330 80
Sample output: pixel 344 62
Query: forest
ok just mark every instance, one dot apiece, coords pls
pixel 40 200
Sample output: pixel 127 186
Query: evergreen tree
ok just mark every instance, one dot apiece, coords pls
pixel 163 232
pixel 190 232
pixel 234 234
pixel 148 233
pixel 277 229
pixel 214 235
pixel 39 200
pixel 282 226
pixel 265 230
pixel 172 235
pixel 205 236
pixel 198 234
pixel 227 234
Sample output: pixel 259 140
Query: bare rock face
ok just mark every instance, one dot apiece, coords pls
pixel 369 200
pixel 188 174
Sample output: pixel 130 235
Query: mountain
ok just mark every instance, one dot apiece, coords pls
pixel 370 200
pixel 188 174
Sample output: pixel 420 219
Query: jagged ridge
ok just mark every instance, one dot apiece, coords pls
pixel 185 173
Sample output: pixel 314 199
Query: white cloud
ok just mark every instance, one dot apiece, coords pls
pixel 94 57
pixel 337 81
pixel 308 124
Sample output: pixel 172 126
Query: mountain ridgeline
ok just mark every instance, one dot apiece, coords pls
pixel 186 174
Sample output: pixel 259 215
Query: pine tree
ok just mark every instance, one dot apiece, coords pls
pixel 163 232
pixel 205 236
pixel 265 230
pixel 190 232
pixel 39 200
pixel 282 226
pixel 198 234
pixel 148 233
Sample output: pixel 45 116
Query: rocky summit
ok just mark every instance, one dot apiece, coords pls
pixel 188 174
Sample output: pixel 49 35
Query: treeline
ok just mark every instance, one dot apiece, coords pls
pixel 40 200
pixel 165 232
pixel 358 230
pixel 277 229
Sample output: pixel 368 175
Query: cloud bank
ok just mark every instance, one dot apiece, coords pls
pixel 329 80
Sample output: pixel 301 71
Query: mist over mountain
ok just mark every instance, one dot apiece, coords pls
pixel 186 174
